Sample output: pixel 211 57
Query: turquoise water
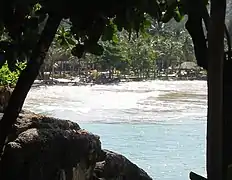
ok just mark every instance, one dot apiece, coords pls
pixel 164 151
pixel 158 125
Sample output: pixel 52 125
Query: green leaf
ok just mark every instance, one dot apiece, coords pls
pixel 177 16
pixel 147 23
pixel 71 41
pixel 115 38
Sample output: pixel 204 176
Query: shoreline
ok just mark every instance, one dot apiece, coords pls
pixel 68 82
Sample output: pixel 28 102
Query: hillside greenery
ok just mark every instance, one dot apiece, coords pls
pixel 142 55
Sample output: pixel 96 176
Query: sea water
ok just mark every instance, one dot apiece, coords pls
pixel 159 125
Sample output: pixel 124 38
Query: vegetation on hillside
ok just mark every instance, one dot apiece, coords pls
pixel 159 50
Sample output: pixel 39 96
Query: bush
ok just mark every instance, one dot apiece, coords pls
pixel 9 78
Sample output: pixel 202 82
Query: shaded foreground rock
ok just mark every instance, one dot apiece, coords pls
pixel 117 167
pixel 44 148
pixel 5 93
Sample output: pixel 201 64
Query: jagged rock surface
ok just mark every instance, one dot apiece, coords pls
pixel 42 148
pixel 115 166
pixel 45 148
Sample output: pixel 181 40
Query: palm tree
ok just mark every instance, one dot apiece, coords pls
pixel 60 48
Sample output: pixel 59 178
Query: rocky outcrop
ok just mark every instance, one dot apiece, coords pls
pixel 44 148
pixel 117 167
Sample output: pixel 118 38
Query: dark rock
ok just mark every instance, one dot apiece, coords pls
pixel 45 148
pixel 5 93
pixel 29 120
pixel 114 166
pixel 42 148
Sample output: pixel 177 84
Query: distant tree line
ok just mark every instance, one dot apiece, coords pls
pixel 143 55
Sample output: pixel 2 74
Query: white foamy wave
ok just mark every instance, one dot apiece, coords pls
pixel 134 102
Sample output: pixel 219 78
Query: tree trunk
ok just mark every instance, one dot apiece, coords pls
pixel 215 74
pixel 27 78
pixel 42 73
pixel 110 72
pixel 227 114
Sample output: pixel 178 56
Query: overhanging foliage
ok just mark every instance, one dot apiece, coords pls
pixel 23 21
